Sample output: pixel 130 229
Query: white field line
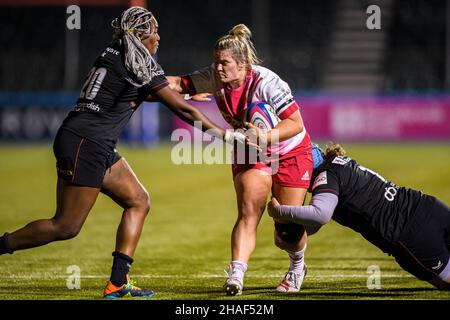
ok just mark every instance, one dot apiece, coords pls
pixel 204 276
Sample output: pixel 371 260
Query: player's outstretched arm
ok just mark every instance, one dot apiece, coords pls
pixel 318 213
pixel 177 85
pixel 188 113
pixel 202 97
pixel 287 128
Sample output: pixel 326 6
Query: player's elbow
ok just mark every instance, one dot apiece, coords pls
pixel 301 127
pixel 323 221
pixel 298 128
pixel 295 124
pixel 298 125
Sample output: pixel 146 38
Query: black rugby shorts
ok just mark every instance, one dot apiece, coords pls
pixel 81 161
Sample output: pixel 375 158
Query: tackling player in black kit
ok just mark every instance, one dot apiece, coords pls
pixel 407 224
pixel 122 78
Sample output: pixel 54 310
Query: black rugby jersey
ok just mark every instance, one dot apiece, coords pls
pixel 368 203
pixel 107 100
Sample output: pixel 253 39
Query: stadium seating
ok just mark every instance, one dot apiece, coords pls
pixel 293 39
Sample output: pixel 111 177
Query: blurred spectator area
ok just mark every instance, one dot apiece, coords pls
pixel 33 42
pixel 292 37
pixel 417 46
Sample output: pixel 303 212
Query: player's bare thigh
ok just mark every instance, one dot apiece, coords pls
pixel 252 189
pixel 122 185
pixel 288 195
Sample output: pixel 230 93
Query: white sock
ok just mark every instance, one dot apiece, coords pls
pixel 238 269
pixel 297 260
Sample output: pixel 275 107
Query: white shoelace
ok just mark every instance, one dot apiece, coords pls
pixel 234 273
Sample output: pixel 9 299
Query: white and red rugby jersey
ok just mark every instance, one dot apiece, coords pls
pixel 261 84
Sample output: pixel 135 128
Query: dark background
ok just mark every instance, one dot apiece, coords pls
pixel 292 37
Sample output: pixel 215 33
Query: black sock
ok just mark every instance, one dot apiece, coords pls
pixel 121 267
pixel 4 247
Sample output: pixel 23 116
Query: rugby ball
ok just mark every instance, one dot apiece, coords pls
pixel 262 116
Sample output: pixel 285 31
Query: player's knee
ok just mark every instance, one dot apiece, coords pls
pixel 141 200
pixel 145 202
pixel 287 233
pixel 66 231
pixel 250 213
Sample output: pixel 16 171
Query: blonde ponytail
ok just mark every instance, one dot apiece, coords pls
pixel 241 30
pixel 238 40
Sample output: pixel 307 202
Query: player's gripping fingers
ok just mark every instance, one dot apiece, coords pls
pixel 256 135
pixel 249 125
pixel 202 97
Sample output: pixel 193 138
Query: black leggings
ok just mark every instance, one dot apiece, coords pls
pixel 423 249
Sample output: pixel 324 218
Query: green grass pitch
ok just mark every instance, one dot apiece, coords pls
pixel 185 245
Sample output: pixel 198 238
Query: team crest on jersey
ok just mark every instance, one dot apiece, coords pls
pixel 320 180
pixel 340 160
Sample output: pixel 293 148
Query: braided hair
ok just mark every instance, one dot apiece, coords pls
pixel 132 25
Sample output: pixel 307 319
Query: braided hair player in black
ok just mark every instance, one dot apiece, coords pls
pixel 122 77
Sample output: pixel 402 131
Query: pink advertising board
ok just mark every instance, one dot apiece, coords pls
pixel 361 118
